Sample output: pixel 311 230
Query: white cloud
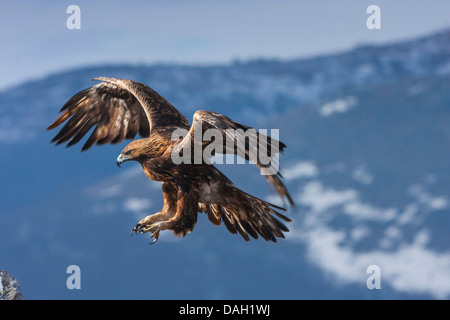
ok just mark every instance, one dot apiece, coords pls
pixel 363 176
pixel 302 169
pixel 334 168
pixel 425 198
pixel 320 199
pixel 137 204
pixel 416 89
pixel 104 208
pixel 410 266
pixel 338 106
pixel 359 232
pixel 360 210
pixel 391 234
pixel 109 191
pixel 408 215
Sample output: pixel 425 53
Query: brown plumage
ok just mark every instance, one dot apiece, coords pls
pixel 119 109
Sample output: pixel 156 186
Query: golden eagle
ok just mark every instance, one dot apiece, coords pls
pixel 120 109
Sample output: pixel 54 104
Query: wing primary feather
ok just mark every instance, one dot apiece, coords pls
pixel 76 99
pixel 69 128
pixel 215 219
pixel 249 228
pixel 226 220
pixel 81 133
pixel 91 141
pixel 239 227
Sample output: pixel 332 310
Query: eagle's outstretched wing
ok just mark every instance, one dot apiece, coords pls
pixel 246 143
pixel 118 109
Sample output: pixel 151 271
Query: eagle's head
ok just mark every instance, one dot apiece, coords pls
pixel 142 150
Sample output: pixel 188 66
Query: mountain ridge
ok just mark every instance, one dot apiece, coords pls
pixel 253 91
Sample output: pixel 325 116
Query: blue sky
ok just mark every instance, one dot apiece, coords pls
pixel 36 42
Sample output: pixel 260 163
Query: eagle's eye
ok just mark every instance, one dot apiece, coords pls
pixel 128 153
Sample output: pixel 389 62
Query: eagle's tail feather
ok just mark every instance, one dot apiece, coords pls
pixel 276 183
pixel 248 216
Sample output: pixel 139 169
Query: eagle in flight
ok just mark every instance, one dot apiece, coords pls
pixel 119 109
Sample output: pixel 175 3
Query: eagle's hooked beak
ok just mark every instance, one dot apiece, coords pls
pixel 121 159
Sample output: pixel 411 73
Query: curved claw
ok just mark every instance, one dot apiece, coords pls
pixel 154 239
pixel 136 229
pixel 153 229
pixel 154 232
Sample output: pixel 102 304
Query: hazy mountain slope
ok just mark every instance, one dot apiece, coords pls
pixel 250 90
pixel 373 183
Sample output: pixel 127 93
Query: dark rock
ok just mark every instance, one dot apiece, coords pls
pixel 9 287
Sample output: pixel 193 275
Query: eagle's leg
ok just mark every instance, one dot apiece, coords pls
pixel 187 211
pixel 169 209
pixel 182 222
pixel 180 225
